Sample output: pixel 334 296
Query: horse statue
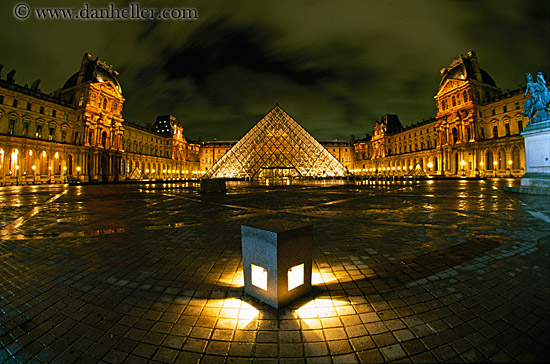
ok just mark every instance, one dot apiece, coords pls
pixel 536 107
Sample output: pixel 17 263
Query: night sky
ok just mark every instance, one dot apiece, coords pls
pixel 335 66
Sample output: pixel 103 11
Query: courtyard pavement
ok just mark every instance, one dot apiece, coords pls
pixel 433 271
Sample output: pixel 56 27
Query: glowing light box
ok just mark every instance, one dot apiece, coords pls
pixel 277 260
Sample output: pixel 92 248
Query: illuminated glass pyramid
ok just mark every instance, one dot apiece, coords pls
pixel 277 146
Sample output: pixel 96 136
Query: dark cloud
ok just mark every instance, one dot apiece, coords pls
pixel 334 66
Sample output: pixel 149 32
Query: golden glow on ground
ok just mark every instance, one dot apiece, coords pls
pixel 233 279
pixel 321 308
pixel 233 312
pixel 320 278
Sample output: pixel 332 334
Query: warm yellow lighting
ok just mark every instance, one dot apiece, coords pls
pixel 510 162
pixel 393 168
pixel 164 171
pixel 50 168
pixel 259 276
pixel 463 162
pixel 78 169
pixel 323 307
pixel 178 171
pixel 33 168
pixel 495 163
pixel 399 168
pixel 147 170
pixel 153 171
pixel 430 165
pixel 56 155
pixel 64 168
pixel 481 164
pixel 30 152
pixel 295 276
pixel 418 166
pixel 404 167
pixel 16 167
pixel 235 312
pixel 43 153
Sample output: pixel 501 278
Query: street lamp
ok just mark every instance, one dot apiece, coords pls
pixel 462 164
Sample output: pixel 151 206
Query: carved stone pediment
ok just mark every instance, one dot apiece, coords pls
pixel 449 85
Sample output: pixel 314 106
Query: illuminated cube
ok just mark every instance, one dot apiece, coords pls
pixel 277 260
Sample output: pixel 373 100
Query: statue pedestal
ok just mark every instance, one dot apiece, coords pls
pixel 536 180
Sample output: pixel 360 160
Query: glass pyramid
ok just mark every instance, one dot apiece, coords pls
pixel 277 146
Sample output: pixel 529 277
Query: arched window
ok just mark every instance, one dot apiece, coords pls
pixel 495 131
pixel 501 159
pixel 454 101
pixel 468 133
pixel 93 99
pixel 516 164
pixel 104 139
pixel 455 135
pixel 70 165
pixel 489 160
pixel 465 96
pixel 105 103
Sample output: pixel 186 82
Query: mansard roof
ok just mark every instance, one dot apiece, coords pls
pixel 463 68
pixel 95 71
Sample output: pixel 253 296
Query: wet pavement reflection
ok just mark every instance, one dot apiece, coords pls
pixel 414 271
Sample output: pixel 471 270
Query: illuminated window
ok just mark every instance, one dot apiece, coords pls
pixel 295 276
pixel 259 276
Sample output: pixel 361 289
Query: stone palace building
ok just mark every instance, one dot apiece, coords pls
pixel 78 133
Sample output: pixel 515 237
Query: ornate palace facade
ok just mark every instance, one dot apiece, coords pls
pixel 78 133
pixel 476 131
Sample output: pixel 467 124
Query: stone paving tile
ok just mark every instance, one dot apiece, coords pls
pixel 447 271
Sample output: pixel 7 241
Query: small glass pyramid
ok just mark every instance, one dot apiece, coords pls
pixel 277 146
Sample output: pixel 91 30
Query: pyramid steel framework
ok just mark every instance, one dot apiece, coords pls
pixel 277 146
